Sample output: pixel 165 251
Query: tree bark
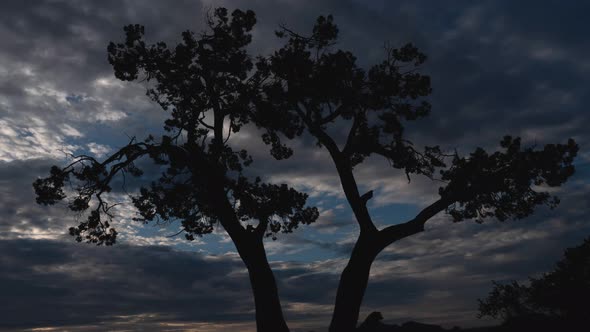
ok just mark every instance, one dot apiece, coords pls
pixel 371 241
pixel 352 286
pixel 250 247
pixel 269 313
pixel 354 278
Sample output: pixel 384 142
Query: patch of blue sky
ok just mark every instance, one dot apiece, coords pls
pixel 392 214
pixel 329 237
pixel 582 165
pixel 74 99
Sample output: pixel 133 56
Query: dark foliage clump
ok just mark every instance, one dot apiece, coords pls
pixel 558 297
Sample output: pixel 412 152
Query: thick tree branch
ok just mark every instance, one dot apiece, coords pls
pixel 261 227
pixel 349 146
pixel 366 197
pixel 230 222
pixel 397 232
pixel 347 180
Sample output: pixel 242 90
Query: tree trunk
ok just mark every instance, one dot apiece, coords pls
pixel 352 286
pixel 269 314
pixel 250 247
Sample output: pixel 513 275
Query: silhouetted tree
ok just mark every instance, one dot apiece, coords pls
pixel 204 82
pixel 561 294
pixel 324 89
pixel 303 86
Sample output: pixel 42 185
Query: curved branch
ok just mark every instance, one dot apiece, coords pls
pixel 397 232
pixel 367 196
pixel 347 180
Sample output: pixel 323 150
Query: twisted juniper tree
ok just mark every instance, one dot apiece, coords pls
pixel 205 82
pixel 324 89
pixel 212 88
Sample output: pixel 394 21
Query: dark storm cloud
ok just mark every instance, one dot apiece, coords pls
pixel 449 265
pixel 507 68
pixel 48 283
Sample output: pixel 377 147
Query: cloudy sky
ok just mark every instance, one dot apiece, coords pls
pixel 497 67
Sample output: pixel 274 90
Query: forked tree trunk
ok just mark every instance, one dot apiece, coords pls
pixel 250 247
pixel 354 278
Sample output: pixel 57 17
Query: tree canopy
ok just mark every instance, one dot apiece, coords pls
pixel 204 78
pixel 326 90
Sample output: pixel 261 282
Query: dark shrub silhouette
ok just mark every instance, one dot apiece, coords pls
pixel 558 298
pixel 212 87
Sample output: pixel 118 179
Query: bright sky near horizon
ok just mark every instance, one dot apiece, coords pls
pixel 497 68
